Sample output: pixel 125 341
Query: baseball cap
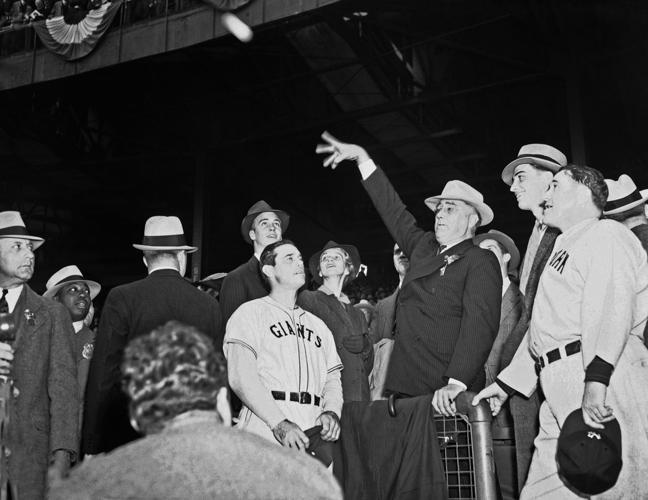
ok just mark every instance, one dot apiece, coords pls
pixel 589 459
pixel 318 448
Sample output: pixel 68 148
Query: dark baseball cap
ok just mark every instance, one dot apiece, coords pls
pixel 318 448
pixel 589 460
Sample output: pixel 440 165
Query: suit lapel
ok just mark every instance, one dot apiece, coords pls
pixel 432 262
pixel 507 301
pixel 27 315
pixel 542 255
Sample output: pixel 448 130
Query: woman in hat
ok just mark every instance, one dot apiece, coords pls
pixel 333 267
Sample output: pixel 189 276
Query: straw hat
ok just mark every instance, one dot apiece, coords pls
pixel 458 190
pixel 66 275
pixel 164 233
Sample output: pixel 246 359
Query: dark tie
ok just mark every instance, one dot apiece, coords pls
pixel 441 249
pixel 4 307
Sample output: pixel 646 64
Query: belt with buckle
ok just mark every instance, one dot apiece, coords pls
pixel 555 354
pixel 304 398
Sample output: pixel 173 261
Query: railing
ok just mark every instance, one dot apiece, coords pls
pixel 21 37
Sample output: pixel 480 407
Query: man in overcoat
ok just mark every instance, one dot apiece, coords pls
pixel 42 395
pixel 448 308
pixel 136 309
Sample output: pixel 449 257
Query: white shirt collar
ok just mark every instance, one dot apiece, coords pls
pixel 12 297
pixel 454 243
pixel 163 267
pixel 78 325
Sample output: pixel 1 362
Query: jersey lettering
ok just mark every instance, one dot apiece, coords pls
pixel 284 329
pixel 559 260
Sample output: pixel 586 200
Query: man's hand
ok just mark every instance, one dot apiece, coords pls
pixel 330 426
pixel 289 434
pixel 338 151
pixel 443 399
pixel 356 343
pixel 60 467
pixel 6 358
pixel 496 397
pixel 595 412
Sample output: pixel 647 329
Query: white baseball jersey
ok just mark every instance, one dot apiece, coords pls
pixel 295 352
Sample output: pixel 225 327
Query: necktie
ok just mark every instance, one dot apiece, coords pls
pixel 441 249
pixel 4 306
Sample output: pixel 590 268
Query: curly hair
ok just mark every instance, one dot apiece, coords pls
pixel 173 369
pixel 592 179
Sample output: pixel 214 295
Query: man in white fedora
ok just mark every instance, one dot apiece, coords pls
pixel 261 226
pixel 448 308
pixel 76 293
pixel 42 398
pixel 136 309
pixel 529 177
pixel 626 204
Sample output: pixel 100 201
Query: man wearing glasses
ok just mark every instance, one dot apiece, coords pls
pixel 448 308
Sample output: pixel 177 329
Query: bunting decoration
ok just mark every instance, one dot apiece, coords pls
pixel 76 34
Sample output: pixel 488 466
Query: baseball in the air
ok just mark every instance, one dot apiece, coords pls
pixel 236 27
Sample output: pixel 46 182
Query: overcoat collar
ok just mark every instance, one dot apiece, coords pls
pixel 432 262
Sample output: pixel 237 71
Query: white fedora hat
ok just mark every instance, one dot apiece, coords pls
pixel 623 195
pixel 458 190
pixel 541 155
pixel 164 233
pixel 69 274
pixel 12 226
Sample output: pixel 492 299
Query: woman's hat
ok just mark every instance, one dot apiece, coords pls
pixel 164 233
pixel 458 190
pixel 540 155
pixel 314 261
pixel 12 226
pixel 623 195
pixel 66 275
pixel 258 208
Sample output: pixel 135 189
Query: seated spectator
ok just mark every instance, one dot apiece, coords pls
pixel 177 386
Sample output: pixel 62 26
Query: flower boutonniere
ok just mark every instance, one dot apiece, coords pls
pixel 29 316
pixel 449 259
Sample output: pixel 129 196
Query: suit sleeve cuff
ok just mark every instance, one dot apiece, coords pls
pixel 367 168
pixel 458 382
pixel 599 370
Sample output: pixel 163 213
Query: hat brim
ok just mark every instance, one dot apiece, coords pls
pixel 314 261
pixel 507 243
pixel 94 287
pixel 509 170
pixel 37 241
pixel 186 248
pixel 246 223
pixel 485 213
pixel 636 203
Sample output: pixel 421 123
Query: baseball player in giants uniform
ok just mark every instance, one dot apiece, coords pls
pixel 585 343
pixel 282 360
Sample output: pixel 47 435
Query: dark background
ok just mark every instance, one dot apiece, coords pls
pixel 435 89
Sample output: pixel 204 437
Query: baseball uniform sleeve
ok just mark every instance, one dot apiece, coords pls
pixel 332 393
pixel 609 292
pixel 520 373
pixel 241 330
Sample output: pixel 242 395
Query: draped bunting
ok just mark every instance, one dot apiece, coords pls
pixel 75 36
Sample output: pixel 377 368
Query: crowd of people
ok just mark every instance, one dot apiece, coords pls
pixel 553 340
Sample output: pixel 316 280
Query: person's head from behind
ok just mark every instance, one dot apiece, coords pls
pixel 176 259
pixel 577 193
pixel 282 266
pixel 173 370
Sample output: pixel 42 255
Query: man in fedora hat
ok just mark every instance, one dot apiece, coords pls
pixel 261 226
pixel 584 345
pixel 135 309
pixel 41 424
pixel 70 288
pixel 626 204
pixel 449 304
pixel 508 256
pixel 529 177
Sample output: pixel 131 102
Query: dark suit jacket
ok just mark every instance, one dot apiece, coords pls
pixel 446 323
pixel 343 320
pixel 525 411
pixel 241 285
pixel 130 311
pixel 382 324
pixel 44 404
